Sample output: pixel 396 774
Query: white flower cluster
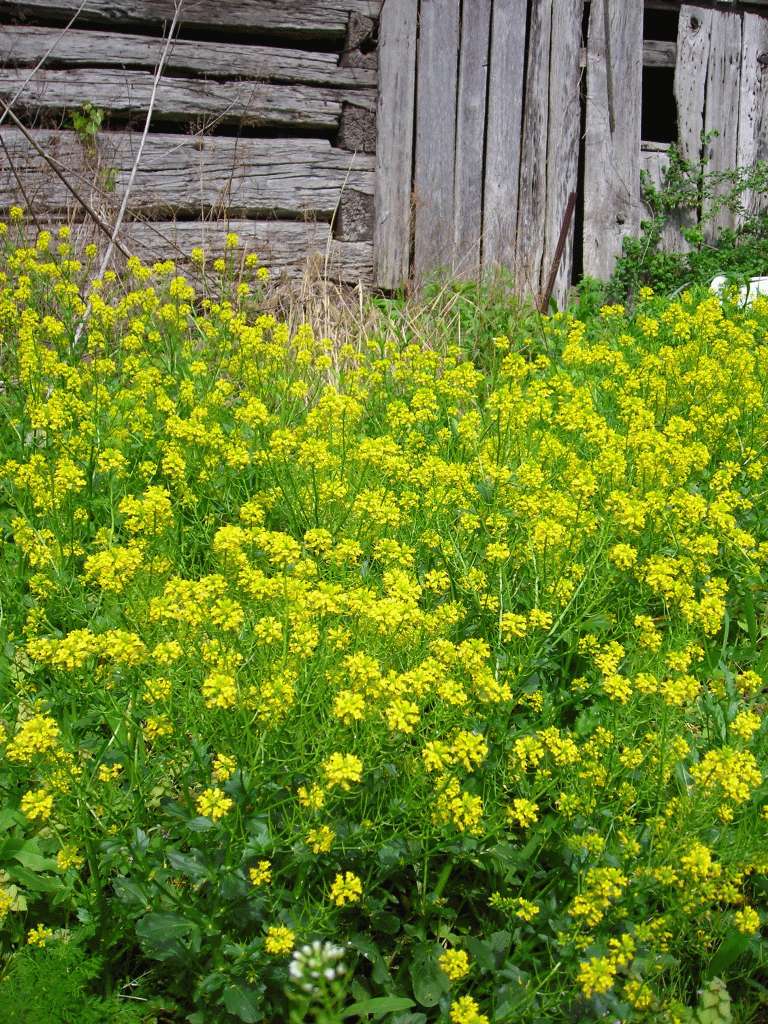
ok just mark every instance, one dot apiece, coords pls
pixel 314 961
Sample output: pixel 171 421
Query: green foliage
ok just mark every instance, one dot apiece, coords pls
pixel 87 122
pixel 52 985
pixel 416 679
pixel 690 189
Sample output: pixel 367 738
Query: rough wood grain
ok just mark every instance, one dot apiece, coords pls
pixel 360 44
pixel 298 18
pixel 529 238
pixel 503 130
pixel 693 42
pixel 357 128
pixel 128 92
pixel 394 144
pixel 612 158
pixel 354 217
pixel 25 45
pixel 189 174
pixel 289 249
pixel 470 136
pixel 437 71
pixel 722 104
pixel 562 164
pixel 657 53
pixel 654 161
pixel 752 144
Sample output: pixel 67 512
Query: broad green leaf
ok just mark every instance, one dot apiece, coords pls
pixel 161 934
pixel 378 1005
pixel 244 1002
pixel 429 982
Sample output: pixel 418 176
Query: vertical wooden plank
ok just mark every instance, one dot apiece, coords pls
pixel 612 146
pixel 693 42
pixel 470 136
pixel 721 112
pixel 502 152
pixel 563 137
pixel 753 101
pixel 529 241
pixel 394 143
pixel 436 75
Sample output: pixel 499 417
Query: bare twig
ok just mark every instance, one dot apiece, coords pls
pixel 42 61
pixel 53 164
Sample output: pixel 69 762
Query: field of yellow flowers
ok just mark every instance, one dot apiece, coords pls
pixel 367 681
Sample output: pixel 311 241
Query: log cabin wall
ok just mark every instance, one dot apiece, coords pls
pixel 263 123
pixel 383 139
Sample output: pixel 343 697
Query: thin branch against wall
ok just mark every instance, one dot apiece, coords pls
pixel 40 63
pixel 158 75
pixel 54 165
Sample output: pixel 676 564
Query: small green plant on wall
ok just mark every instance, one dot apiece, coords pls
pixel 87 123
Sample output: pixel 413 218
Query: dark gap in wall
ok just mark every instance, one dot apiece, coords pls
pixel 578 217
pixel 660 25
pixel 659 109
pixel 205 215
pixel 205 127
pixel 13 14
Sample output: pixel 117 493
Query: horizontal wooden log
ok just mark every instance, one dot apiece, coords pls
pixel 186 174
pixel 288 249
pixel 657 53
pixel 257 104
pixel 299 18
pixel 26 45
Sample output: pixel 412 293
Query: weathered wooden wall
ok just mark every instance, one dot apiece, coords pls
pixel 263 123
pixel 384 139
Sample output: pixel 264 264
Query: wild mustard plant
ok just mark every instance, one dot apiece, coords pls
pixel 317 652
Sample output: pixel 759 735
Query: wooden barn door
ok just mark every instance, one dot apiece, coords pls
pixel 721 84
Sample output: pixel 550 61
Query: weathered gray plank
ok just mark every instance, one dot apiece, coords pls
pixel 288 248
pixel 505 111
pixel 529 239
pixel 299 18
pixel 26 45
pixel 752 142
pixel 189 174
pixel 470 136
pixel 249 103
pixel 693 42
pixel 612 146
pixel 563 138
pixel 657 53
pixel 654 161
pixel 437 70
pixel 394 143
pixel 722 103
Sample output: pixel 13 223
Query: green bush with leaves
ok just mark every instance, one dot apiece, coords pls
pixel 689 188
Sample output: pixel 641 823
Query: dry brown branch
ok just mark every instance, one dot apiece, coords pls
pixel 53 164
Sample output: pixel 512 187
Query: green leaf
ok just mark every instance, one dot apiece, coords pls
pixel 244 1002
pixel 429 982
pixel 161 934
pixel 379 1006
pixel 731 948
pixel 34 860
pixel 188 865
pixel 34 882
